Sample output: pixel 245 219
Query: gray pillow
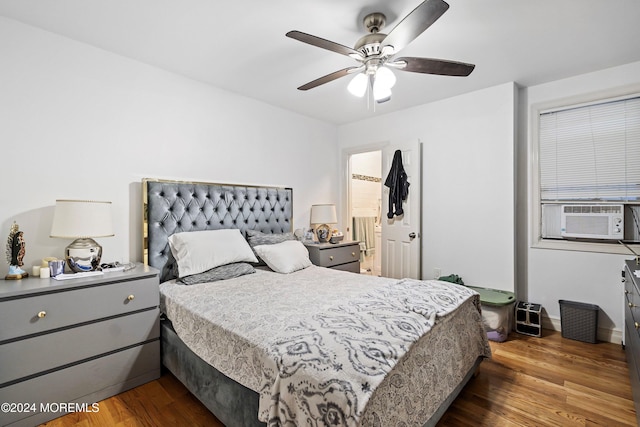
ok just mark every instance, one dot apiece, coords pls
pixel 222 272
pixel 257 238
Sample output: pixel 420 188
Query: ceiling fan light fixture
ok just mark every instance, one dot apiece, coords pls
pixel 358 85
pixel 383 81
pixel 381 93
pixel 385 77
pixel 375 52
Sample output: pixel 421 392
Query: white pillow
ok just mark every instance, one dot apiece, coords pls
pixel 199 251
pixel 285 257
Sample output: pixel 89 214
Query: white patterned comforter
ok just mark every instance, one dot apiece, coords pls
pixel 325 347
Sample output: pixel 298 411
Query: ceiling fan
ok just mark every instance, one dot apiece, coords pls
pixel 376 53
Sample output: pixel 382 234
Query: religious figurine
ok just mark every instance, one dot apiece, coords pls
pixel 15 254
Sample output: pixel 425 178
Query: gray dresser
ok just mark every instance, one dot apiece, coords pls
pixel 632 328
pixel 339 256
pixel 75 341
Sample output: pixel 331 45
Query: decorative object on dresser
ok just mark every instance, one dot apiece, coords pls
pixel 322 217
pixel 631 332
pixel 15 253
pixel 339 256
pixel 82 220
pixel 78 341
pixel 56 267
pixel 337 237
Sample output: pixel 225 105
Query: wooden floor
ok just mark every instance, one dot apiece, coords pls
pixel 548 381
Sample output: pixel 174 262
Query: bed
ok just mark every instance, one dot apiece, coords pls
pixel 290 343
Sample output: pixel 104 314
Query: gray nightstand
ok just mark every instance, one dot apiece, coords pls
pixel 78 340
pixel 339 256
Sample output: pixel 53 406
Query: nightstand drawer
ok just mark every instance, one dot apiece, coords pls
pixel 353 267
pixel 41 353
pixel 59 309
pixel 338 255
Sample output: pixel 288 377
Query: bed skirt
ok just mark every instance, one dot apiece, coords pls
pixel 232 403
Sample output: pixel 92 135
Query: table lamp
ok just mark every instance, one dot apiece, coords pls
pixel 82 220
pixel 322 216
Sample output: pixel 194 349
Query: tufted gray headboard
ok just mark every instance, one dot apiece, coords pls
pixel 176 206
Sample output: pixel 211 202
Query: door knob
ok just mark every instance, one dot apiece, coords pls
pixel 412 235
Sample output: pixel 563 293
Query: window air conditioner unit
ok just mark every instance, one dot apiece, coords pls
pixel 592 221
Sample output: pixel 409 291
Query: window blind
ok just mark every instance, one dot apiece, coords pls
pixel 591 152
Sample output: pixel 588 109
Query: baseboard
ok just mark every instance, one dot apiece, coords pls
pixel 608 335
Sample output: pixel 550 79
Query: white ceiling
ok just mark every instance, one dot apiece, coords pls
pixel 241 45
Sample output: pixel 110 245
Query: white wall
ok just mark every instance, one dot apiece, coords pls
pixel 467 184
pixel 550 275
pixel 367 163
pixel 79 122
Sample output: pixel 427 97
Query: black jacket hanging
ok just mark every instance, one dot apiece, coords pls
pixel 398 186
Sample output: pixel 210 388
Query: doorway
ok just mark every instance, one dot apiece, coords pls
pixel 365 208
pixel 397 244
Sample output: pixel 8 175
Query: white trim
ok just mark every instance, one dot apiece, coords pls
pixel 591 102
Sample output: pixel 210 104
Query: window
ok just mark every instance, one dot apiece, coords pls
pixel 591 152
pixel 589 161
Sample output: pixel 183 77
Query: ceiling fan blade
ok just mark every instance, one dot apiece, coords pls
pixel 324 44
pixel 433 66
pixel 415 23
pixel 328 78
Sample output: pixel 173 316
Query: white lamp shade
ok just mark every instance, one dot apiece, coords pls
pixel 358 85
pixel 381 93
pixel 385 78
pixel 75 219
pixel 384 81
pixel 323 214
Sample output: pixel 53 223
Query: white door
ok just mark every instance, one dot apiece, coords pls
pixel 401 235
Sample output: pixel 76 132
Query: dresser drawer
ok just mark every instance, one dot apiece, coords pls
pixel 41 353
pixel 632 350
pixel 61 309
pixel 338 255
pixel 632 298
pixel 105 377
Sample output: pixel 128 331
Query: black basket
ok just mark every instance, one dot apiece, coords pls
pixel 579 321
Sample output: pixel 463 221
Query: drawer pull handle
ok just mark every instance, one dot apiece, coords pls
pixel 631 305
pixel 637 325
pixel 353 254
pixel 331 258
pixel 42 314
pixel 626 292
pixel 130 297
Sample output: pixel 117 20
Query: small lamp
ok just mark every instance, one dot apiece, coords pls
pixel 322 216
pixel 82 220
